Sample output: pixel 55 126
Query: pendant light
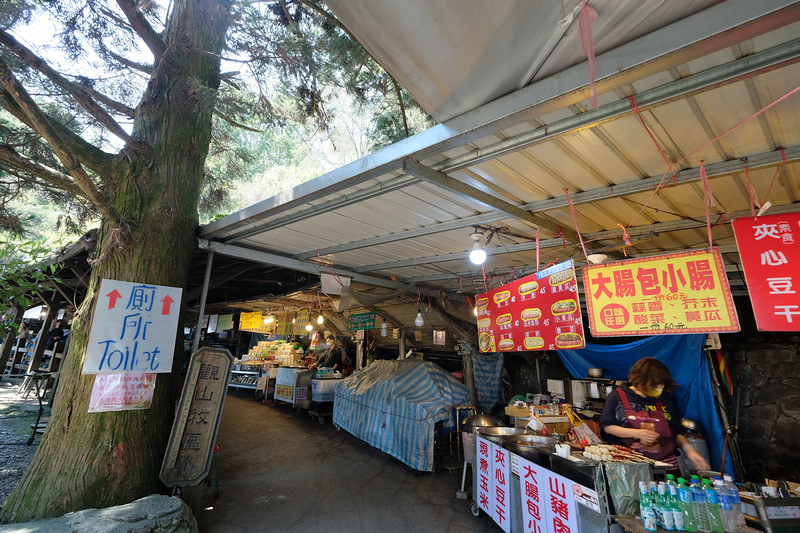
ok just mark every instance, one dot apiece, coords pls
pixel 309 327
pixel 477 255
pixel 419 321
pixel 320 319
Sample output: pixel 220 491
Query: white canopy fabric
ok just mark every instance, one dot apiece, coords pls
pixel 455 55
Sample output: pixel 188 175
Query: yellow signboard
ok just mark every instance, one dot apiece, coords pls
pixel 302 318
pixel 682 293
pixel 251 321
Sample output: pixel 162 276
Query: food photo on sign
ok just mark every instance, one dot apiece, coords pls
pixel 537 312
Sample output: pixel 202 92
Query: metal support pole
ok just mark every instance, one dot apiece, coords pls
pixel 203 295
pixel 402 345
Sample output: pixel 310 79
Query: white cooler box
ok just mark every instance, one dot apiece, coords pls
pixel 323 390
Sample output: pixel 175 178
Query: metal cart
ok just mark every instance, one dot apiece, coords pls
pixel 322 396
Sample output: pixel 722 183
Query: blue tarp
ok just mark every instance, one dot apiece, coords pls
pixel 487 370
pixel 684 356
pixel 394 406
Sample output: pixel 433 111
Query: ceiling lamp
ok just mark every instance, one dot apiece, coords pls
pixel 309 327
pixel 477 255
pixel 419 321
pixel 475 310
pixel 383 328
pixel 596 259
pixel 269 319
pixel 320 319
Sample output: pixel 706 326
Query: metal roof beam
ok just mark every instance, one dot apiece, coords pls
pixel 707 31
pixel 468 191
pixel 293 264
pixel 660 227
pixel 714 170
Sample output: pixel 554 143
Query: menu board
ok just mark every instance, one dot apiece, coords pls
pixel 681 293
pixel 771 259
pixel 538 312
pixel 361 321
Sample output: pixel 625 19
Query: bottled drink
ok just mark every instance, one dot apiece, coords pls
pixel 663 508
pixel 646 507
pixel 700 508
pixel 675 507
pixel 712 504
pixel 737 501
pixel 687 505
pixel 725 506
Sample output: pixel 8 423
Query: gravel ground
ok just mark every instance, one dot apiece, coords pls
pixel 16 416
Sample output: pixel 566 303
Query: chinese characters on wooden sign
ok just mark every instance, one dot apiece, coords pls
pixel 188 457
pixel 134 328
pixel 770 250
pixel 538 312
pixel 681 293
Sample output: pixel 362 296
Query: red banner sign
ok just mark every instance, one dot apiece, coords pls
pixel 686 292
pixel 538 312
pixel 770 250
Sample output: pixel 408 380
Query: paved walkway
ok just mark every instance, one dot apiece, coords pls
pixel 283 471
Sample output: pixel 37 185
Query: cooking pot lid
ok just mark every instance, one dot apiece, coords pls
pixel 480 421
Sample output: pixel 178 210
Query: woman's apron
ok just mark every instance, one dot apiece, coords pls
pixel 665 447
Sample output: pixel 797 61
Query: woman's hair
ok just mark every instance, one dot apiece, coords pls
pixel 648 373
pixel 331 338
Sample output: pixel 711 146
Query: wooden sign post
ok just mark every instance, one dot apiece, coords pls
pixel 188 457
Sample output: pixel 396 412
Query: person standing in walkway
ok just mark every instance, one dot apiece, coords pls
pixel 332 357
pixel 24 333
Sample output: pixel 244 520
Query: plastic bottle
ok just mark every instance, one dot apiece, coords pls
pixel 725 506
pixel 700 508
pixel 737 501
pixel 646 507
pixel 675 506
pixel 687 506
pixel 663 508
pixel 712 504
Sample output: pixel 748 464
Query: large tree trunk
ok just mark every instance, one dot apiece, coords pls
pixel 104 459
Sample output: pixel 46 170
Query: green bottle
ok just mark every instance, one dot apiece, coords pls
pixel 687 505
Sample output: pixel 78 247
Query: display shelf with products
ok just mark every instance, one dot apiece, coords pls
pixel 244 379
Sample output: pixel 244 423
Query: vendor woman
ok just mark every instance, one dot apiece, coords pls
pixel 643 416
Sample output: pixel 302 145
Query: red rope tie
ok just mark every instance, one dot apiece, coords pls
pixel 537 248
pixel 485 285
pixel 585 19
pixel 708 200
pixel 721 220
pixel 752 192
pixel 575 220
pixel 783 159
pixel 635 108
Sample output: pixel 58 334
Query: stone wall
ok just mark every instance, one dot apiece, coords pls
pixel 766 371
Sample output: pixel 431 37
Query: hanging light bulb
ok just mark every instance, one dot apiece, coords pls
pixel 320 319
pixel 477 255
pixel 309 327
pixel 475 310
pixel 383 328
pixel 419 321
pixel 269 320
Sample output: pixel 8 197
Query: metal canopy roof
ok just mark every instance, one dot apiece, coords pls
pixel 403 215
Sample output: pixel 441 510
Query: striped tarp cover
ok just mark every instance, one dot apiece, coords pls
pixel 394 406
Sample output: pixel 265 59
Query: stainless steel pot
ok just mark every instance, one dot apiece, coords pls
pixel 532 447
pixel 593 390
pixel 497 434
pixel 478 421
pixel 596 372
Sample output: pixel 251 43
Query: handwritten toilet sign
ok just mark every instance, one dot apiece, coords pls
pixel 134 328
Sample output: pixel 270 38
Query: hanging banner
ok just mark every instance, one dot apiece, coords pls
pixel 361 321
pixel 770 255
pixel 122 392
pixel 538 312
pixel 331 284
pixel 532 495
pixel 134 329
pixel 501 488
pixel 681 293
pixel 439 337
pixel 251 321
pixel 301 320
pixel 212 323
pixel 225 322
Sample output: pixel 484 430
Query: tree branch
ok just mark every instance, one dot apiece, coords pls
pixel 151 39
pixel 77 91
pixel 145 69
pixel 93 157
pixel 235 124
pixel 43 172
pixel 64 146
pixel 109 102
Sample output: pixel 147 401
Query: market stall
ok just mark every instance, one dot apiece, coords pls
pixel 396 406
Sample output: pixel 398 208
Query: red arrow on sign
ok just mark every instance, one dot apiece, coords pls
pixel 166 301
pixel 113 296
